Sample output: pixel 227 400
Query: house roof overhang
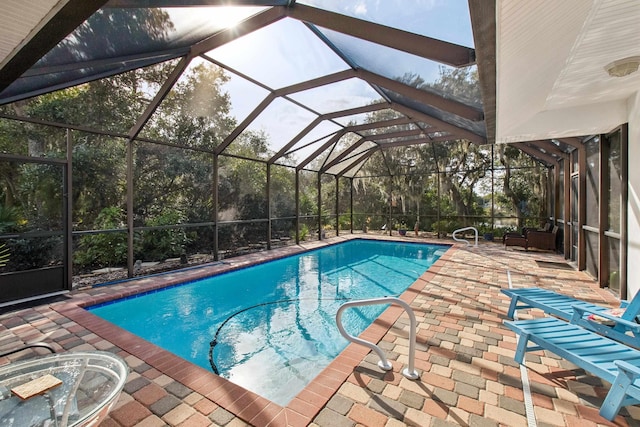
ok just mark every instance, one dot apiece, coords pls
pixel 550 79
pixel 30 31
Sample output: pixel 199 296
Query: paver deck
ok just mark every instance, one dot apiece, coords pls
pixel 465 355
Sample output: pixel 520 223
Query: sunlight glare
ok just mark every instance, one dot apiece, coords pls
pixel 218 17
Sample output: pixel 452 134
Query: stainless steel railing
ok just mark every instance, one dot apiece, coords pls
pixel 463 240
pixel 410 371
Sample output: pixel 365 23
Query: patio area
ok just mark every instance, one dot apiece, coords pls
pixel 465 355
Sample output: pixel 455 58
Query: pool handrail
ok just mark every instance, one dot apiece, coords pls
pixel 453 235
pixel 384 364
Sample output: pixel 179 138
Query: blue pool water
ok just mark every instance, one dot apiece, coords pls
pixel 271 327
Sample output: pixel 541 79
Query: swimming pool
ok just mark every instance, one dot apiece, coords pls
pixel 271 327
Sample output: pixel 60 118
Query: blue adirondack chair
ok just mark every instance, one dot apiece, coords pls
pixel 624 329
pixel 608 359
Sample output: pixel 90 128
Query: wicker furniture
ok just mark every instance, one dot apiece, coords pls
pixel 545 240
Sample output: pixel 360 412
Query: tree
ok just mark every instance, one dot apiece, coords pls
pixel 524 186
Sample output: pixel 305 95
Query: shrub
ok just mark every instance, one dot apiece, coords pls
pixel 32 253
pixel 165 243
pixel 304 232
pixel 4 255
pixel 104 249
pixel 344 221
pixel 446 226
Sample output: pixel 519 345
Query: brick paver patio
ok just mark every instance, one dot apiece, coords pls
pixel 465 356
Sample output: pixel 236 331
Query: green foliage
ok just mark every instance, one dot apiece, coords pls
pixel 8 218
pixel 344 221
pixel 34 253
pixel 523 192
pixel 446 226
pixel 283 196
pixel 43 185
pixel 97 159
pixel 4 255
pixel 304 232
pixel 501 231
pixel 107 248
pixel 25 253
pixel 307 204
pixel 158 245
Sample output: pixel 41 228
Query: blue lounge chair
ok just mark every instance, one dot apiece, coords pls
pixel 624 329
pixel 610 360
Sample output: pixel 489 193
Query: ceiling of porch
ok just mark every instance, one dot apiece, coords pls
pixel 551 80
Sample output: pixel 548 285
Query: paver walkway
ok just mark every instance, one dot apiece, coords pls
pixel 465 356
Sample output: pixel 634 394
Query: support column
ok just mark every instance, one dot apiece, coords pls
pixel 493 202
pixel 556 194
pixel 130 232
pixel 582 207
pixel 438 210
pixel 337 206
pixel 551 191
pixel 297 207
pixel 603 212
pixel 351 204
pixel 68 213
pixel 567 208
pixel 624 213
pixel 215 195
pixel 319 205
pixel 268 205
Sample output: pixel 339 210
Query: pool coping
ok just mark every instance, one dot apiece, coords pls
pixel 245 404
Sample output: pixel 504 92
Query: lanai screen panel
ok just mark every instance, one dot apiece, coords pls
pixel 320 160
pixel 242 94
pixel 380 132
pixel 129 38
pixel 445 20
pixel 316 148
pixel 275 127
pixel 592 194
pixel 242 193
pixel 394 64
pixel 199 111
pixel 347 153
pixel 350 165
pixel 614 167
pixel 328 208
pixel 338 96
pixel 171 185
pixel 360 118
pixel 282 204
pixel 26 139
pixel 280 55
pixel 308 206
pixel 112 104
pixel 310 142
pixel 475 127
pixel 97 159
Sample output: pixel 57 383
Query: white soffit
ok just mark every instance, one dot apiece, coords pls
pixel 551 55
pixel 20 20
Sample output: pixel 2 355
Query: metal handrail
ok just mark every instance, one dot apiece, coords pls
pixel 384 364
pixel 453 235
